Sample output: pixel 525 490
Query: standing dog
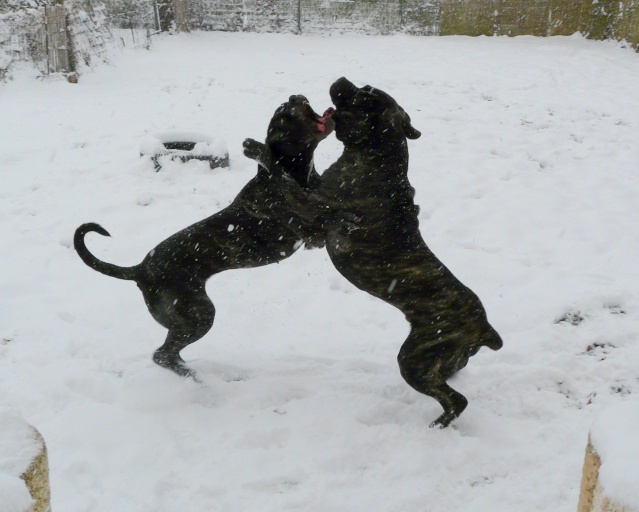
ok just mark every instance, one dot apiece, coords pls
pixel 386 255
pixel 256 229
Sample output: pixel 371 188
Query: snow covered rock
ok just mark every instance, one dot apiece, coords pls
pixel 609 482
pixel 24 467
pixel 185 146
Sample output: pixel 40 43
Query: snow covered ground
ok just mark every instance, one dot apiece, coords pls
pixel 527 178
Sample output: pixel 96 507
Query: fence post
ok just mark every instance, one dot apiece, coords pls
pixel 57 39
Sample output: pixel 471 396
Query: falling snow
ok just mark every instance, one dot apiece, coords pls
pixel 526 175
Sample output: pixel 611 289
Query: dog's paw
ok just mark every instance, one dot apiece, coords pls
pixel 443 421
pixel 252 148
pixel 257 151
pixel 351 222
pixel 350 227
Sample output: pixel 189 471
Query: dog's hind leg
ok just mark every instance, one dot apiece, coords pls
pixel 425 368
pixel 452 401
pixel 168 355
pixel 188 317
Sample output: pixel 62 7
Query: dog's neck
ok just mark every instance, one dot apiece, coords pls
pixel 379 154
pixel 297 166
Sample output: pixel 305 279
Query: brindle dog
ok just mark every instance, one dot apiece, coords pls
pixel 386 255
pixel 256 229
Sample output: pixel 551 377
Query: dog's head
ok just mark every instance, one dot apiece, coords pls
pixel 295 127
pixel 367 116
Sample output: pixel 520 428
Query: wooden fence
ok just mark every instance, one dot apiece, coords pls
pixel 604 19
pixel 601 19
pixel 73 35
pixel 420 17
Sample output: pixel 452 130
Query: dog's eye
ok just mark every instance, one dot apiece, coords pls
pixel 308 110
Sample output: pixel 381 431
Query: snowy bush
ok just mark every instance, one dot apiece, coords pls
pixel 22 39
pixel 17 5
pixel 131 15
pixel 89 29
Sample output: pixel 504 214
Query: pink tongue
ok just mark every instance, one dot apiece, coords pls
pixel 322 120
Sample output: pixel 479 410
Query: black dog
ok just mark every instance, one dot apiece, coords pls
pixel 386 255
pixel 256 229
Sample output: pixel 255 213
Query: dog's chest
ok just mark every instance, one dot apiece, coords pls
pixel 358 186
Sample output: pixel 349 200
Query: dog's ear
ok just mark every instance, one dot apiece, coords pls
pixel 342 91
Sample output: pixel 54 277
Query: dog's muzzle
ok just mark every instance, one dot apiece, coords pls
pixel 342 91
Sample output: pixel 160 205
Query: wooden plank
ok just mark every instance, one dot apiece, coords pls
pixel 57 39
pixel 523 17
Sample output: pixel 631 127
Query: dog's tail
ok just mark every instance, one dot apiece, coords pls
pixel 128 273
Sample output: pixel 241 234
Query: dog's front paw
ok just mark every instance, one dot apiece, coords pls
pixel 252 148
pixel 351 222
pixel 257 151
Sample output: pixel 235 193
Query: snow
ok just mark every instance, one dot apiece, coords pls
pixel 526 174
pixel 614 438
pixel 5 60
pixel 15 495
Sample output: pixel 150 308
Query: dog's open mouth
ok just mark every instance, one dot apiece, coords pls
pixel 323 125
pixel 321 121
